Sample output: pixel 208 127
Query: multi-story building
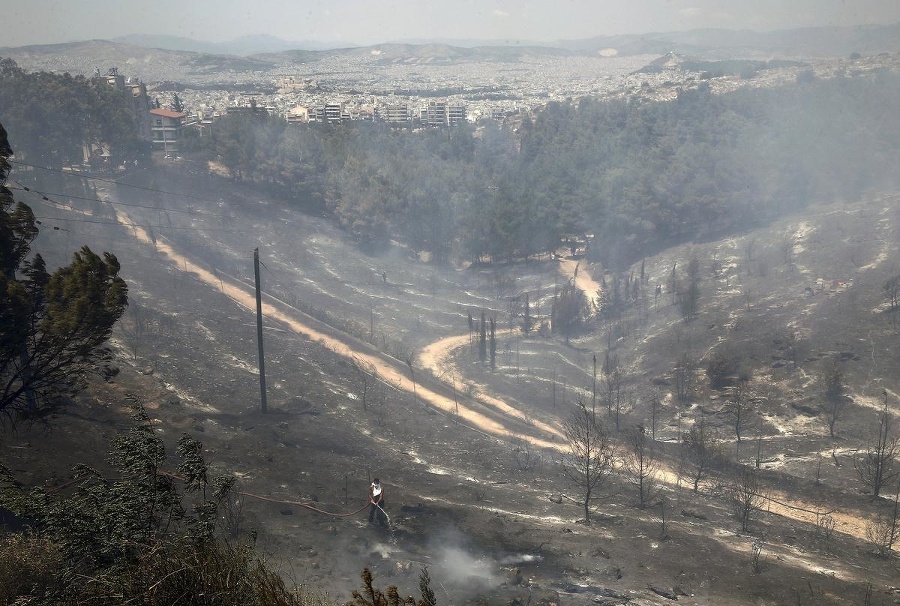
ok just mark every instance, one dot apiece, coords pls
pixel 456 114
pixel 394 113
pixel 435 114
pixel 334 112
pixel 140 104
pixel 140 101
pixel 165 128
pixel 440 113
pixel 297 114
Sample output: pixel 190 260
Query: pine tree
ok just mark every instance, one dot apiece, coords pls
pixel 52 326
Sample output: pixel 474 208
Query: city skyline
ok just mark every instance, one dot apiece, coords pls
pixel 365 22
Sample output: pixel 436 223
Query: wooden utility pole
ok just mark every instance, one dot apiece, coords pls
pixel 259 334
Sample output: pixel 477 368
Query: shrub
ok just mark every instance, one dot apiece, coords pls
pixel 27 563
pixel 147 537
pixel 723 368
pixel 370 596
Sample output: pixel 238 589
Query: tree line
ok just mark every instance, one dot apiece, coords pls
pixel 53 325
pixel 639 175
pixel 52 117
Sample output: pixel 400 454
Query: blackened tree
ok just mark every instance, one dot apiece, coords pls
pixel 835 400
pixel 746 494
pixel 590 460
pixel 739 405
pixel 526 316
pixel 883 531
pixel 684 377
pixel 877 467
pixel 640 463
pixel 482 340
pixel 703 451
pixel 690 297
pixel 493 346
pixel 892 291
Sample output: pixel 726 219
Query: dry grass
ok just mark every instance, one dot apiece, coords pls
pixel 27 563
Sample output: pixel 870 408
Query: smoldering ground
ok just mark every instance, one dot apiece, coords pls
pixel 459 568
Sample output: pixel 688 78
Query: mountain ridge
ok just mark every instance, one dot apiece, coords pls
pixel 709 43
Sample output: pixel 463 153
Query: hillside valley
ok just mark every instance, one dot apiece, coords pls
pixel 373 370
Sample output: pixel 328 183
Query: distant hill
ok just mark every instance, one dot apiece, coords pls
pixel 159 58
pixel 90 55
pixel 243 46
pixel 705 43
pixel 422 53
pixel 728 44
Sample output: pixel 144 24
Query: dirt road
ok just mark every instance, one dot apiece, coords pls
pixel 435 358
pixel 391 373
pixel 571 268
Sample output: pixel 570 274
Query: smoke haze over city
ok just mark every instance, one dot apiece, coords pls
pixel 357 22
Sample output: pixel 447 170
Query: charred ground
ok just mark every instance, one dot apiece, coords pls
pixel 494 520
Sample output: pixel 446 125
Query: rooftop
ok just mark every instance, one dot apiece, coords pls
pixel 167 113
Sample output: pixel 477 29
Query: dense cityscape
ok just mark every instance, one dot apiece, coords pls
pixel 427 85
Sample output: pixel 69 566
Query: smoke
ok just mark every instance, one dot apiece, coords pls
pixel 382 550
pixel 458 564
pixel 461 567
pixel 522 558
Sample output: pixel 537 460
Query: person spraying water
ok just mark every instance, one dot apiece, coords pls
pixel 376 503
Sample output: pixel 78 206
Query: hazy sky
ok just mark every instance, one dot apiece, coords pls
pixel 372 21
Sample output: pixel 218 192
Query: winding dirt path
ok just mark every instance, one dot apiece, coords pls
pixel 780 503
pixel 391 373
pixel 435 357
pixel 571 268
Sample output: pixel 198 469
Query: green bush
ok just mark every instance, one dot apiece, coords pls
pixel 174 572
pixel 149 536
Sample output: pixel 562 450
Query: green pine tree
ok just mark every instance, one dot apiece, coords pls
pixel 52 326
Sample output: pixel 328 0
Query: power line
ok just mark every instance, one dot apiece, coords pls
pixel 142 225
pixel 113 181
pixel 63 206
pixel 119 183
pixel 22 187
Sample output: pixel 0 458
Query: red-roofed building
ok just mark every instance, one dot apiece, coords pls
pixel 165 128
